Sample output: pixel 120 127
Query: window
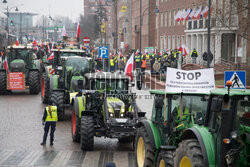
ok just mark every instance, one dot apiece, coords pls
pixel 161 19
pixel 165 43
pixel 178 41
pixel 180 20
pixel 166 19
pixel 169 18
pixel 173 42
pixel 161 44
pixel 173 17
pixel 195 24
pixel 156 21
pixel 183 40
pixel 200 23
pixel 169 42
pixel 245 8
pixel 189 25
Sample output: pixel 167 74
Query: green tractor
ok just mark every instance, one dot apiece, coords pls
pixel 105 108
pixel 172 114
pixel 64 83
pixel 22 70
pixel 210 131
pixel 51 65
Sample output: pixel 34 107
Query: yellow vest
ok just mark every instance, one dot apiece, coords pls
pixel 147 57
pixel 53 116
pixel 112 62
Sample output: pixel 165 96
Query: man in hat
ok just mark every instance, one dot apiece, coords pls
pixel 49 121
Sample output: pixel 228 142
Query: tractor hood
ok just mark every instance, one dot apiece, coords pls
pixel 17 65
pixel 116 107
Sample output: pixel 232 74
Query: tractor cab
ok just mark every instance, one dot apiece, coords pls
pixel 228 120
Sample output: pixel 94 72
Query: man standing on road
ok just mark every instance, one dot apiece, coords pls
pixel 50 119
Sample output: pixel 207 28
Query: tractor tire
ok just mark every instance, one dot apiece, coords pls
pixel 189 153
pixel 34 82
pixel 75 126
pixel 144 151
pixel 57 98
pixel 126 139
pixel 45 89
pixel 87 133
pixel 3 83
pixel 165 159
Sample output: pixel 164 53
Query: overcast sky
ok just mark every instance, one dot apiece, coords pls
pixel 70 8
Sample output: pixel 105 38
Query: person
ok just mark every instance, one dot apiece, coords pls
pixel 152 61
pixel 194 55
pixel 112 64
pixel 143 65
pixel 49 120
pixel 137 60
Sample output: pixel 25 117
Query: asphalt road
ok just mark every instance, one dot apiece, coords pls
pixel 21 133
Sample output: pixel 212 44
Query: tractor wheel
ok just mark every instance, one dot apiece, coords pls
pixel 34 82
pixel 126 139
pixel 75 126
pixel 189 154
pixel 165 159
pixel 3 83
pixel 45 89
pixel 144 151
pixel 57 98
pixel 87 133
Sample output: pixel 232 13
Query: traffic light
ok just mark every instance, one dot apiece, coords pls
pixel 11 23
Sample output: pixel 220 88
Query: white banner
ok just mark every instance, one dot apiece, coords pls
pixel 194 81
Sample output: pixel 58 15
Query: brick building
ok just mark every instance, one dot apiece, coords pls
pixel 227 29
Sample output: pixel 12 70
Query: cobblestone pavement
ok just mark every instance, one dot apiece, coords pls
pixel 21 133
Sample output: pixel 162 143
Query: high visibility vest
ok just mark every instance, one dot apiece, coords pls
pixel 152 56
pixel 137 58
pixel 53 116
pixel 116 59
pixel 123 59
pixel 112 62
pixel 147 56
pixel 143 65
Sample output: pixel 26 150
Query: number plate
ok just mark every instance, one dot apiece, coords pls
pixel 59 67
pixel 121 120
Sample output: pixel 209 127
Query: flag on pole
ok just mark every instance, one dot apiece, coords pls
pixel 129 67
pixel 64 34
pixel 194 12
pixel 177 16
pixel 17 43
pixel 6 64
pixel 184 50
pixel 183 14
pixel 188 14
pixel 198 12
pixel 78 30
pixel 205 12
pixel 51 57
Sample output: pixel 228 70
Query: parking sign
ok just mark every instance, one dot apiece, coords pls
pixel 103 52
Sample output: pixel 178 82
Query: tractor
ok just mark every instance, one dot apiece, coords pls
pixel 63 85
pixel 211 130
pixel 21 70
pixel 52 64
pixel 105 108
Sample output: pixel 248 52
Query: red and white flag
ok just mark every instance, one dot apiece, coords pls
pixel 177 16
pixel 51 57
pixel 184 50
pixel 183 14
pixel 129 67
pixel 17 43
pixel 188 14
pixel 78 30
pixel 6 64
pixel 64 34
pixel 194 13
pixel 205 12
pixel 198 12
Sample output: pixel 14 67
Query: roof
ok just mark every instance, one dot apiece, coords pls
pixel 162 92
pixel 68 50
pixel 106 75
pixel 233 92
pixel 19 47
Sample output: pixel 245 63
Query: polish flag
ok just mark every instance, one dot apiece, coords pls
pixel 17 43
pixel 198 12
pixel 194 13
pixel 205 12
pixel 51 57
pixel 129 67
pixel 6 64
pixel 34 43
pixel 177 16
pixel 78 30
pixel 64 34
pixel 183 14
pixel 184 50
pixel 188 14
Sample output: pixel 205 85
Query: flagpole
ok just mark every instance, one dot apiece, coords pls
pixel 208 34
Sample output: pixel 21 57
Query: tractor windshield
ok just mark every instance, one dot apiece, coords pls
pixel 18 54
pixel 112 85
pixel 79 65
pixel 68 54
pixel 243 112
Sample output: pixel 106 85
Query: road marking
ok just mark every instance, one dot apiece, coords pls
pixel 61 158
pixel 91 159
pixel 15 158
pixel 120 159
pixel 5 155
pixel 46 158
pixel 104 158
pixel 76 158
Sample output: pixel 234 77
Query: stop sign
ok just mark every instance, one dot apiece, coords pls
pixel 86 40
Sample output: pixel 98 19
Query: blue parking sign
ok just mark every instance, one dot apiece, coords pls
pixel 238 79
pixel 103 52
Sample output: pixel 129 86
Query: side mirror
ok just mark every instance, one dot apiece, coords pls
pixel 159 102
pixel 216 105
pixel 132 84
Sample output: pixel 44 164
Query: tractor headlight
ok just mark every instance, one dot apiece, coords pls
pixel 122 115
pixel 110 109
pixel 234 135
pixel 111 115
